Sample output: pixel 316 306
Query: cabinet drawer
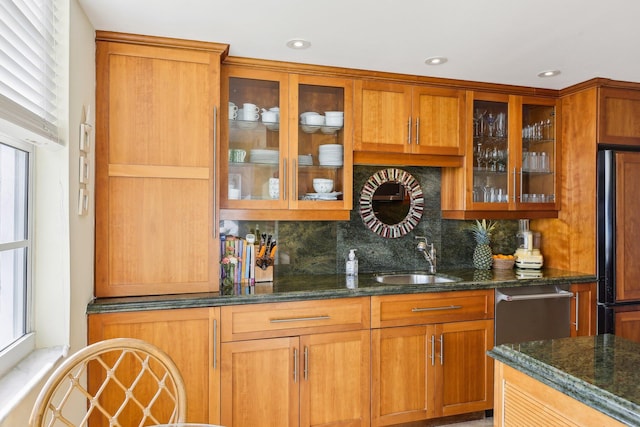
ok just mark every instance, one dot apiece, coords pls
pixel 241 322
pixel 402 310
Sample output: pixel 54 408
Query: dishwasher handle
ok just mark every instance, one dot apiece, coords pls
pixel 560 294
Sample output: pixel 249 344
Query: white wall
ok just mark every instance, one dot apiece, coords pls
pixel 65 242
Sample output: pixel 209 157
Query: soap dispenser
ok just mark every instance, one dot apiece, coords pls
pixel 352 263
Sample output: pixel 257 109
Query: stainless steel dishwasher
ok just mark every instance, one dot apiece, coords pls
pixel 531 313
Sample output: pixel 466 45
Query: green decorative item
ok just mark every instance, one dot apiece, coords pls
pixel 482 275
pixel 482 256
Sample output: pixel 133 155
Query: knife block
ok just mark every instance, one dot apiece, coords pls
pixel 264 275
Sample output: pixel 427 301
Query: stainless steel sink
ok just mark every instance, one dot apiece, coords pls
pixel 413 279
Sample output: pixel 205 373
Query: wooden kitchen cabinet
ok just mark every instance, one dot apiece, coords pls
pixel 393 118
pixel 583 309
pixel 287 151
pixel 190 337
pixel 512 162
pixel 619 116
pixel 429 355
pixel 156 190
pixel 296 364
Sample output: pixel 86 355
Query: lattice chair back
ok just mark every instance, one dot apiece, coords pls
pixel 129 383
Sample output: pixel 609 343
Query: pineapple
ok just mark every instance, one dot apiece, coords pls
pixel 482 256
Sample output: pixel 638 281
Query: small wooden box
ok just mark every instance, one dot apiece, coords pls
pixel 264 275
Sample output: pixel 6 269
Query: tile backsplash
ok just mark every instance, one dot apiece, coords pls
pixel 320 247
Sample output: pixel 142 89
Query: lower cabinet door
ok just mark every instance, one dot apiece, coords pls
pixel 400 357
pixel 431 371
pixel 464 382
pixel 259 383
pixel 189 336
pixel 583 309
pixel 334 383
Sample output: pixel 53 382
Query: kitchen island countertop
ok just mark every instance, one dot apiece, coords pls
pixel 599 371
pixel 314 287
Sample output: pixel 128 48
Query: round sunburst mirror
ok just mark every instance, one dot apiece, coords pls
pixel 391 203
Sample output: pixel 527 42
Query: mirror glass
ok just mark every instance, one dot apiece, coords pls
pixel 391 203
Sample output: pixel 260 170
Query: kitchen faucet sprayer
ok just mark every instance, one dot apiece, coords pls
pixel 429 255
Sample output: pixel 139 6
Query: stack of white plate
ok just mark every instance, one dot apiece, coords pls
pixel 330 155
pixel 305 160
pixel 264 156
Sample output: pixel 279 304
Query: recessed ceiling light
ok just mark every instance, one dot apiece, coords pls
pixel 549 73
pixel 435 60
pixel 298 44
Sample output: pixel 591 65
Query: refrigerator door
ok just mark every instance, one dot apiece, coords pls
pixel 627 226
pixel 618 248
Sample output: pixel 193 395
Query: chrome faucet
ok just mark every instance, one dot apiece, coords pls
pixel 429 255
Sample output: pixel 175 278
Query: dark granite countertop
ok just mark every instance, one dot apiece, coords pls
pixel 601 371
pixel 308 287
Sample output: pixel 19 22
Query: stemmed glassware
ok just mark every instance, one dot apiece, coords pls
pixel 478 122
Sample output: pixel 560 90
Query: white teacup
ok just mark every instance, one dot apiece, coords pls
pixel 274 188
pixel 334 121
pixel 233 111
pixel 234 193
pixel 247 106
pixel 314 120
pixel 305 116
pixel 269 116
pixel 247 115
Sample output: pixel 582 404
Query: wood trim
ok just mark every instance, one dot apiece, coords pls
pixel 385 76
pixel 497 214
pixel 142 171
pixel 285 214
pixel 220 48
pixel 404 159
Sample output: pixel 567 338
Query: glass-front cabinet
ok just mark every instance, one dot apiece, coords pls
pixel 286 146
pixel 511 162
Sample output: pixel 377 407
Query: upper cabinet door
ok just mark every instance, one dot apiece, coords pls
pixel 382 117
pixel 619 116
pixel 321 156
pixel 253 151
pixel 538 155
pixel 439 121
pixel 155 161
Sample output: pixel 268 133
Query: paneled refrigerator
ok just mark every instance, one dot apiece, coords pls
pixel 618 246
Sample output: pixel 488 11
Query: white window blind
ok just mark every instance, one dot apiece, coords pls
pixel 28 70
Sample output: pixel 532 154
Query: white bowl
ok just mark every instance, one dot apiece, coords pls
pixel 323 185
pixel 314 120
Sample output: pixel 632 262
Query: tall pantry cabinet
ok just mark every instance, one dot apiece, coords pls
pixel 156 190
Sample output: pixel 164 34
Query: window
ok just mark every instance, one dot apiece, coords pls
pixel 29 106
pixel 15 242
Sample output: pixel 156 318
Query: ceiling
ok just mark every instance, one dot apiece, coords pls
pixel 494 41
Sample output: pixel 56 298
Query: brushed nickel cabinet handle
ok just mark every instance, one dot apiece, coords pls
pixel 215 343
pixel 216 226
pixel 433 351
pixel 514 185
pixel 441 350
pixel 299 319
pixel 294 175
pixel 284 181
pixel 409 136
pixel 448 307
pixel 417 130
pixel 306 363
pixel 295 365
pixel 577 298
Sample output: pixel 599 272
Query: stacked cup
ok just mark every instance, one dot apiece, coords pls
pixel 334 118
